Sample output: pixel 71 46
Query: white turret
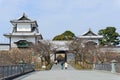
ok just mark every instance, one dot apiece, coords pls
pixel 25 32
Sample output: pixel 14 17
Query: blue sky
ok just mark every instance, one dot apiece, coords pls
pixel 56 16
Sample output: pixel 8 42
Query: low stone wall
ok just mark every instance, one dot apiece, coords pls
pixel 112 49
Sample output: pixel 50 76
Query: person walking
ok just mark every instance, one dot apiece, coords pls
pixel 66 65
pixel 62 65
pixel 56 62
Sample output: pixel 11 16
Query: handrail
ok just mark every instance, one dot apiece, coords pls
pixel 10 71
pixel 108 67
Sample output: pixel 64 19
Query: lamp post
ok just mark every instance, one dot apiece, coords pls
pixel 94 58
pixel 83 46
pixel 21 65
pixel 32 57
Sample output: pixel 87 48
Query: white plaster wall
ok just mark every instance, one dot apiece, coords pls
pixel 117 49
pixel 94 40
pixel 23 27
pixel 4 47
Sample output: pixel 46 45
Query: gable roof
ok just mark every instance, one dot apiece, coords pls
pixel 24 17
pixel 89 33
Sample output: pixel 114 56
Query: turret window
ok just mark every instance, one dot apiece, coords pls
pixel 22 44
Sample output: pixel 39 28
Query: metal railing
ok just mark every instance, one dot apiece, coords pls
pixel 117 67
pixel 108 67
pixel 11 71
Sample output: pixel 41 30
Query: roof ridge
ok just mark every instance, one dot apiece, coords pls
pixel 89 32
pixel 24 17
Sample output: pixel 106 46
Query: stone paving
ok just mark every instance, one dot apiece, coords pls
pixel 56 73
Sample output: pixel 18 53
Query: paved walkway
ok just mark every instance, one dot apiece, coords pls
pixel 56 73
pixel 58 67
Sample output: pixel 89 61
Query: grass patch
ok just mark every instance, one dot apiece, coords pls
pixel 80 67
pixel 39 66
pixel 49 66
pixel 77 66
